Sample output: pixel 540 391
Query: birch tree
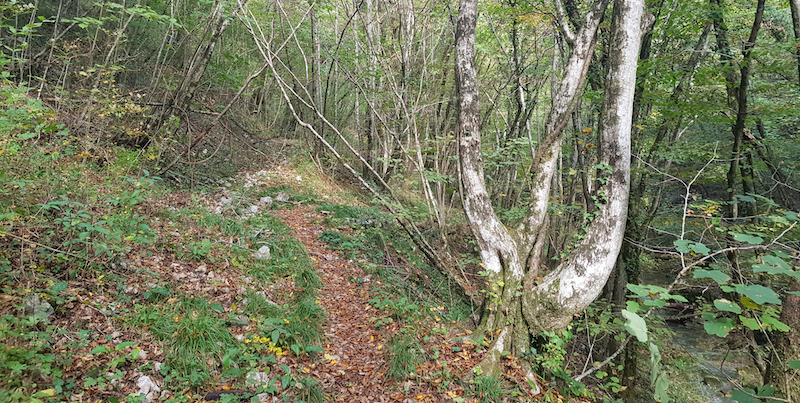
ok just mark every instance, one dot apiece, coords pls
pixel 521 301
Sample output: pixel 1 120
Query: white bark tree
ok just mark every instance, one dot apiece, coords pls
pixel 520 302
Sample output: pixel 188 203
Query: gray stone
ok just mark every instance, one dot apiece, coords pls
pixel 240 321
pixel 257 378
pixel 36 306
pixel 148 388
pixel 263 253
pixel 282 197
pixel 253 209
pixel 265 201
pixel 114 380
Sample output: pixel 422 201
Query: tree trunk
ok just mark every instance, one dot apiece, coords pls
pixel 737 92
pixel 795 6
pixel 518 304
pixel 217 23
pixel 787 348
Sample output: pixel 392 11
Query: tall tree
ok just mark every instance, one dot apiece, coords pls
pixel 521 302
pixel 795 7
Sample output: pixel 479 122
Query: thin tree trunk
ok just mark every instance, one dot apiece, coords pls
pixel 182 97
pixel 787 348
pixel 742 111
pixel 795 6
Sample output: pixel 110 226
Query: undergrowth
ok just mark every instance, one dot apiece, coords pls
pixel 108 273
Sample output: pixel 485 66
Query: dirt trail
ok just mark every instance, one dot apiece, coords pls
pixel 354 368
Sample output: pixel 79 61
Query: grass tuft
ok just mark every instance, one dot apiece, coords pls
pixel 405 355
pixel 488 389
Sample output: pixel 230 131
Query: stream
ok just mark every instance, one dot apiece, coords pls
pixel 707 352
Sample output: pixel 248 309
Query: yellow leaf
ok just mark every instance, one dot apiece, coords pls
pixel 47 392
pixel 380 347
pixel 749 303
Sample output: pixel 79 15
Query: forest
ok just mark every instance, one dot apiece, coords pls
pixel 400 200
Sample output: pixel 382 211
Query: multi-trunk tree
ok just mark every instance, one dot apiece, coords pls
pixel 521 300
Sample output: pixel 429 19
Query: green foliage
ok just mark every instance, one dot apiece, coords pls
pixel 23 118
pixel 405 354
pixel 488 389
pixel 26 355
pixel 635 325
pixel 193 334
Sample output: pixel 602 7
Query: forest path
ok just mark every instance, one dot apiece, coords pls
pixel 354 366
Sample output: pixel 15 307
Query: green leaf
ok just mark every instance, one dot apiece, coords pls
pixel 770 320
pixel 750 323
pixel 758 293
pixel 658 303
pixel 716 275
pixel 682 245
pixel 124 344
pixel 727 306
pixel 661 388
pixel 767 390
pixel 742 396
pixel 765 268
pixel 746 238
pixel 720 327
pixel 794 364
pixel 776 261
pixel 635 325
pixel 633 306
pixel 791 216
pixel 638 290
pixel 676 297
pixel 100 350
pixel 700 248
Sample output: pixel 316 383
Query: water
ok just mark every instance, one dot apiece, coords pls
pixel 708 352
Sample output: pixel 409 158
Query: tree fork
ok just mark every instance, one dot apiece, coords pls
pixel 525 307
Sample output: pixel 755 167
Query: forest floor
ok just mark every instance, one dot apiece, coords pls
pixel 183 310
pixel 356 370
